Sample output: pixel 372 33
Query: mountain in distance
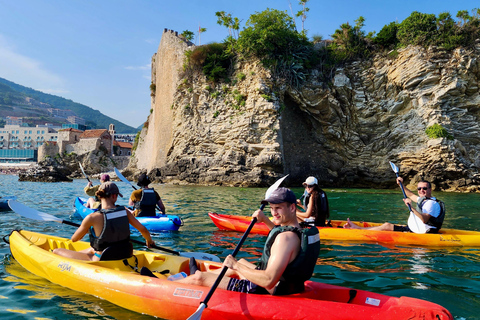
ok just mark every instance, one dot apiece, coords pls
pixel 32 105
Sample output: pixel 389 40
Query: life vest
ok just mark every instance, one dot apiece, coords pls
pixel 116 229
pixel 301 268
pixel 433 221
pixel 147 203
pixel 323 209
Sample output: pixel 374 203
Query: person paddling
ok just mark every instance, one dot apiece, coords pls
pixel 430 210
pixel 90 190
pixel 315 204
pixel 108 227
pixel 285 264
pixel 145 199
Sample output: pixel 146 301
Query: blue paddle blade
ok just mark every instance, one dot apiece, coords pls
pixel 394 167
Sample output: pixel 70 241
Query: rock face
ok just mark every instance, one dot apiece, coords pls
pixel 343 132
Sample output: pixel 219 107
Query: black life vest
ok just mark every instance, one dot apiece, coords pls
pixel 323 209
pixel 147 203
pixel 433 221
pixel 301 268
pixel 116 229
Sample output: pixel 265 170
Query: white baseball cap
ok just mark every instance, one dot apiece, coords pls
pixel 310 181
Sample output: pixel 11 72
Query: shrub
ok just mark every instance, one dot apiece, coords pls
pixel 216 114
pixel 212 59
pixel 437 131
pixel 241 76
pixel 387 37
pixel 417 29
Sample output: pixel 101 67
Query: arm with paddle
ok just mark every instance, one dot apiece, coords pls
pixel 203 304
pixel 416 219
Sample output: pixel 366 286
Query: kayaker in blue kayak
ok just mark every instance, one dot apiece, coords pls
pixel 315 204
pixel 430 210
pixel 145 199
pixel 284 266
pixel 90 190
pixel 108 228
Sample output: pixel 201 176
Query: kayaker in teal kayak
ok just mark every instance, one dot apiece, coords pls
pixel 90 190
pixel 284 266
pixel 315 204
pixel 145 199
pixel 430 210
pixel 108 228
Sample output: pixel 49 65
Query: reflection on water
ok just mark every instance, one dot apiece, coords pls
pixel 447 276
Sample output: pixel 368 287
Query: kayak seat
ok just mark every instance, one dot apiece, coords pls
pixel 117 252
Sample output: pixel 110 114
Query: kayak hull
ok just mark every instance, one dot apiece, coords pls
pixel 153 224
pixel 119 284
pixel 446 237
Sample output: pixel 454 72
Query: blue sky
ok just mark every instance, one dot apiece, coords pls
pixel 98 52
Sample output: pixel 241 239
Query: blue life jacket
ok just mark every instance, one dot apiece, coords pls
pixel 147 203
pixel 301 268
pixel 433 221
pixel 116 229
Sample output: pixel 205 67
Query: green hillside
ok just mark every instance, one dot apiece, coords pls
pixel 14 95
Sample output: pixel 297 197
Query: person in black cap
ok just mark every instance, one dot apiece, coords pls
pixel 108 228
pixel 288 259
pixel 145 199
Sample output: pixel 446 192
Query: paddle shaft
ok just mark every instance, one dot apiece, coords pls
pixel 132 240
pixel 81 168
pixel 403 190
pixel 224 270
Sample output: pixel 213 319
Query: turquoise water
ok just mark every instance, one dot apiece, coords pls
pixel 449 277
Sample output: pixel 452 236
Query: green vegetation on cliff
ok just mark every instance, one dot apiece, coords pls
pixel 272 37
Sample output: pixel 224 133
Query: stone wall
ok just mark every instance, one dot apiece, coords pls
pixel 343 132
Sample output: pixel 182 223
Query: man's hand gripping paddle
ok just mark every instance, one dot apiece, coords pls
pixel 414 222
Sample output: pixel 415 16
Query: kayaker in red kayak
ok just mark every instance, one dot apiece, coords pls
pixel 315 204
pixel 145 199
pixel 284 265
pixel 108 227
pixel 428 209
pixel 90 190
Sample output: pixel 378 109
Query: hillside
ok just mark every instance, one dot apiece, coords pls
pixel 20 101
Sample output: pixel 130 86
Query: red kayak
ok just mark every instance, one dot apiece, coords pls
pixel 445 238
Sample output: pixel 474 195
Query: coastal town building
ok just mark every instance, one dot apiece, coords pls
pixel 20 143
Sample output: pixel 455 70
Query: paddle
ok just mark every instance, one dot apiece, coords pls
pixel 81 168
pixel 31 213
pixel 414 222
pixel 198 314
pixel 121 177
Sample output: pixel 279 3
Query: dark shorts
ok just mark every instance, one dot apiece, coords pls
pixel 401 228
pixel 244 286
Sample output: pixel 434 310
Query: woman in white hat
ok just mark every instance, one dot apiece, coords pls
pixel 315 204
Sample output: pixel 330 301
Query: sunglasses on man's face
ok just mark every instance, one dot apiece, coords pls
pixel 420 188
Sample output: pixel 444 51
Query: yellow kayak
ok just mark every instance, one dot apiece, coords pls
pixel 120 283
pixel 446 237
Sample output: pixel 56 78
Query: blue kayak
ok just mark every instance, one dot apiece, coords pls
pixel 4 202
pixel 154 224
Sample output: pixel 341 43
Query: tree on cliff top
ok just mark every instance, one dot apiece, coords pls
pixel 271 36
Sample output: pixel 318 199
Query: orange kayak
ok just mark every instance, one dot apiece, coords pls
pixel 122 284
pixel 446 237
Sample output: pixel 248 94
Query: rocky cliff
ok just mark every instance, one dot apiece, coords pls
pixel 343 132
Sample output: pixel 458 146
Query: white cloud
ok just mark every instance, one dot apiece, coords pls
pixel 25 70
pixel 135 68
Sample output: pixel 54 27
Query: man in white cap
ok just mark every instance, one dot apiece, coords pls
pixel 315 204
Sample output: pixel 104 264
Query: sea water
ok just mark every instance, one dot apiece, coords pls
pixel 446 276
